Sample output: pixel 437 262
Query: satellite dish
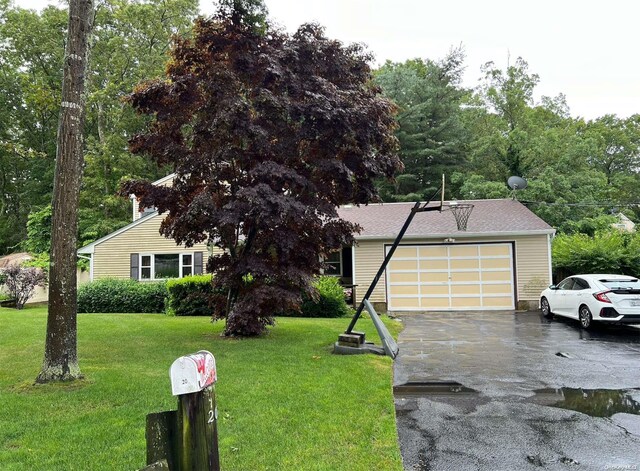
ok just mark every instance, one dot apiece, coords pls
pixel 517 183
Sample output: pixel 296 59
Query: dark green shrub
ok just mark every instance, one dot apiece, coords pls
pixel 190 296
pixel 121 295
pixel 331 300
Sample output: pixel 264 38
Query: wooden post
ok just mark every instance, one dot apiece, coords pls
pixel 192 380
pixel 197 421
pixel 162 438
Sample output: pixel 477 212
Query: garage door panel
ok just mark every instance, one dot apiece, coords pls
pixel 499 288
pixel 490 250
pixel 409 303
pixel 403 277
pixel 400 289
pixel 463 251
pixel 496 276
pixel 435 303
pixel 501 302
pixel 405 252
pixel 465 264
pixel 434 264
pixel 451 277
pixel 430 290
pixel 457 277
pixel 496 263
pixel 465 289
pixel 434 277
pixel 434 251
pixel 466 302
pixel 409 265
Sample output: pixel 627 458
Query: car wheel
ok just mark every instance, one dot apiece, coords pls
pixel 586 319
pixel 545 308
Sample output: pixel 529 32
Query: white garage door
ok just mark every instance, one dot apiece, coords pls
pixel 451 277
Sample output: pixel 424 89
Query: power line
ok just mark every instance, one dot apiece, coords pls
pixel 580 204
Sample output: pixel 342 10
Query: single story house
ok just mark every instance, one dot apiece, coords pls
pixel 502 261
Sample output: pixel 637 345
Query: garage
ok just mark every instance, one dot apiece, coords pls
pixel 444 277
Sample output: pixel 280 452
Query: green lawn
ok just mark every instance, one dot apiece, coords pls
pixel 284 401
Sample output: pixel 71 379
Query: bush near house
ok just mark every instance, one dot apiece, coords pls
pixel 190 296
pixel 120 295
pixel 331 300
pixel 21 282
pixel 605 252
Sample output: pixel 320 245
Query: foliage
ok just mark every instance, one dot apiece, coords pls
pixel 20 282
pixel 190 296
pixel 262 390
pixel 605 252
pixel 431 132
pixel 122 295
pixel 268 133
pixel 329 301
pixel 130 40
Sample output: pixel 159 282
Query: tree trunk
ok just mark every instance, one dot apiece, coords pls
pixel 60 356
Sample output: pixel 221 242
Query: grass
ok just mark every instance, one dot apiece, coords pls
pixel 285 402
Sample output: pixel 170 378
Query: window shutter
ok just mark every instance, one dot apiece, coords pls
pixel 135 266
pixel 197 263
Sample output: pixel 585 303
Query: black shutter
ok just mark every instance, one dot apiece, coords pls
pixel 197 263
pixel 134 266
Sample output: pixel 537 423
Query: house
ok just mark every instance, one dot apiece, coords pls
pixel 502 260
pixel 624 224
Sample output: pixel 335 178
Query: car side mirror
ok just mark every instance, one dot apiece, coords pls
pixel 553 287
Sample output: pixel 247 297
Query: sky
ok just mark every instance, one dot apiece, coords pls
pixel 587 50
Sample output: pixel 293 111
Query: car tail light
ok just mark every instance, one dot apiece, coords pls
pixel 602 296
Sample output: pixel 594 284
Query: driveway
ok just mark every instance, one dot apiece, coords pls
pixel 498 391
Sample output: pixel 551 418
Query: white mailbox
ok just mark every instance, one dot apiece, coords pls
pixel 193 373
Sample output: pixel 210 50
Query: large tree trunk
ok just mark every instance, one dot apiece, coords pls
pixel 60 356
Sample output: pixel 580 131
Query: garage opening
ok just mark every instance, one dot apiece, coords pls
pixel 451 277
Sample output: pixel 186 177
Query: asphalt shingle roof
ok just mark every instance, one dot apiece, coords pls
pixel 487 218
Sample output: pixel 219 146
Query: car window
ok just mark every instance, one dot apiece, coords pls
pixel 579 284
pixel 630 283
pixel 566 283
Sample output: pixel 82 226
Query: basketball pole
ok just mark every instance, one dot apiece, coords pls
pixel 417 208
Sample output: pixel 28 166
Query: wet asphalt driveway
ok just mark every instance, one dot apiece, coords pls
pixel 502 391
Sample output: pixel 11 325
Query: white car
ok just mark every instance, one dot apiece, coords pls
pixel 589 298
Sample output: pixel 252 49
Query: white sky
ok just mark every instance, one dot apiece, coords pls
pixel 587 50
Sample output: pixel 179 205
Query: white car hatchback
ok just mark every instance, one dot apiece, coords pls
pixel 589 298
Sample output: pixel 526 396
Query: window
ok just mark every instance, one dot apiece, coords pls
pixel 162 266
pixel 566 284
pixel 334 264
pixel 580 284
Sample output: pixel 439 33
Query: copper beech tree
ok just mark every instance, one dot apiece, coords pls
pixel 268 134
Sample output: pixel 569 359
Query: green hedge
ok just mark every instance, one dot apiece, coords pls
pixel 331 301
pixel 190 296
pixel 121 295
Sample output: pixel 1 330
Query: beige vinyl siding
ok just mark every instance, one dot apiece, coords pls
pixel 531 252
pixel 532 260
pixel 111 258
pixel 136 206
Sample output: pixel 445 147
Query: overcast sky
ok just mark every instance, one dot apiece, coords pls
pixel 587 50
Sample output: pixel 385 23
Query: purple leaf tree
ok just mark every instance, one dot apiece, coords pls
pixel 268 134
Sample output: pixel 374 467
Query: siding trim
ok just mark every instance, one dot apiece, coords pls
pixel 90 248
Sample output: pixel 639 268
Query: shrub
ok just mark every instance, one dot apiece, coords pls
pixel 605 252
pixel 121 295
pixel 190 296
pixel 330 303
pixel 21 282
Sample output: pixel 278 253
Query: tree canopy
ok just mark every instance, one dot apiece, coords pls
pixel 268 134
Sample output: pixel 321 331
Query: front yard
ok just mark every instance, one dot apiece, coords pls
pixel 284 401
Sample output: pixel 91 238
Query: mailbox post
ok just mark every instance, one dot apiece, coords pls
pixel 187 439
pixel 192 380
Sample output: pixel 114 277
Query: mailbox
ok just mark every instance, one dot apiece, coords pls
pixel 193 373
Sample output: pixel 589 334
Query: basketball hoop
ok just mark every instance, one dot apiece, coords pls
pixel 461 212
